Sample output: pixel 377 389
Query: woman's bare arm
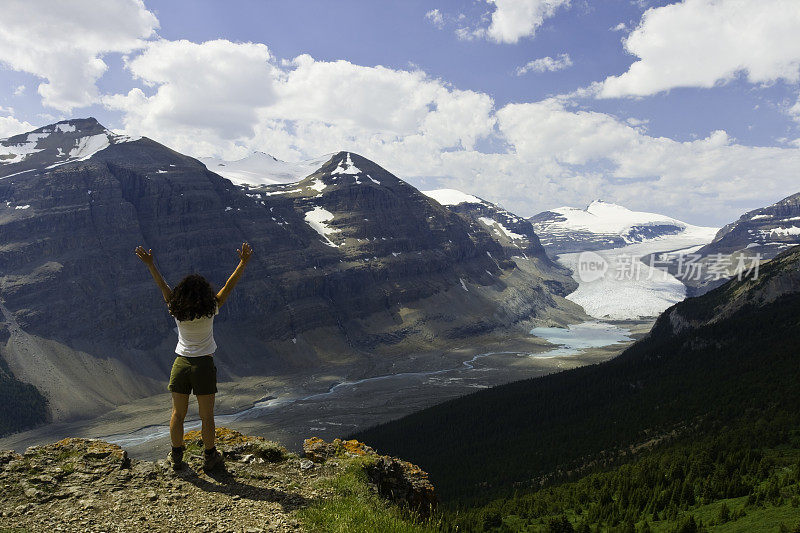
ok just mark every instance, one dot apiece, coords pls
pixel 244 257
pixel 147 259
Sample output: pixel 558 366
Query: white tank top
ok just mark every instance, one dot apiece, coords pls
pixel 196 337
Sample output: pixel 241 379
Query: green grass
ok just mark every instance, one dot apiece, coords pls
pixel 352 507
pixel 193 448
pixel 67 459
pixel 269 451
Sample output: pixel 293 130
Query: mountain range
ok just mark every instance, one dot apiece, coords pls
pixel 603 225
pixel 757 236
pixel 351 264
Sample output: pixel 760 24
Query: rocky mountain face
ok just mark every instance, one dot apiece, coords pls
pixel 514 233
pixel 779 278
pixel 349 262
pixel 601 225
pixel 757 236
pixel 766 231
pixel 91 485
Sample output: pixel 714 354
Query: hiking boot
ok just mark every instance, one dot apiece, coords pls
pixel 175 460
pixel 212 460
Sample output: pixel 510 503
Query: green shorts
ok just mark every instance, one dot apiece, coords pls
pixel 196 374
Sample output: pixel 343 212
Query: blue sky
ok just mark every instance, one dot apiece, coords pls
pixel 709 125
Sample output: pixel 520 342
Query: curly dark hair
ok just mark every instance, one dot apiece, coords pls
pixel 193 297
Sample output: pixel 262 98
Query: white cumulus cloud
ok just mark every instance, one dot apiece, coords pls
pixel 64 42
pixel 11 126
pixel 227 99
pixel 657 173
pixel 546 64
pixel 224 98
pixel 512 20
pixel 215 87
pixel 701 43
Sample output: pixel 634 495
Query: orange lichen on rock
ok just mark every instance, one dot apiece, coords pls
pixel 353 446
pixel 318 450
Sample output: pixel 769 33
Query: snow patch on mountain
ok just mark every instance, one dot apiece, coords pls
pixel 452 197
pixel 317 218
pixel 260 168
pixel 63 140
pixel 273 193
pixel 14 153
pixel 349 167
pixel 498 227
pixel 86 147
pixel 793 230
pixel 603 217
pixel 318 185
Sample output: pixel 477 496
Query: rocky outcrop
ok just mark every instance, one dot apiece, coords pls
pixel 91 485
pixel 399 481
pixel 403 483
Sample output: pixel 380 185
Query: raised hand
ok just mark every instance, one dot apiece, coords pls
pixel 147 258
pixel 145 255
pixel 244 256
pixel 245 252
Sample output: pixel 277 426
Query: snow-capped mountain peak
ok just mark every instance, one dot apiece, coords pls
pixel 605 225
pixel 452 197
pixel 57 144
pixel 259 153
pixel 605 217
pixel 261 168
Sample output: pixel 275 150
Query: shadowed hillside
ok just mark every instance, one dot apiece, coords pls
pixel 729 357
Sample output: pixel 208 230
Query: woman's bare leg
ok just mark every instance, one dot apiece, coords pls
pixel 180 404
pixel 205 404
